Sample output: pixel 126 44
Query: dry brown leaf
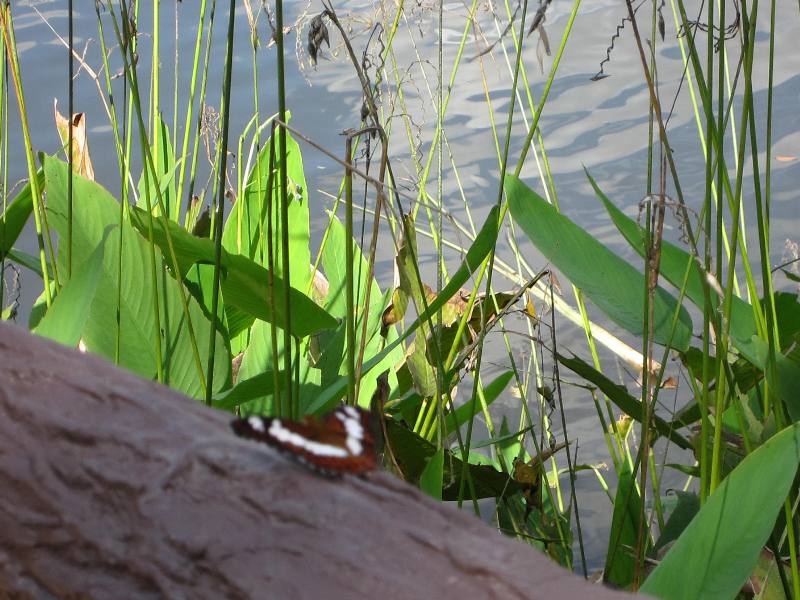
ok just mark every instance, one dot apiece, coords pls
pixel 81 161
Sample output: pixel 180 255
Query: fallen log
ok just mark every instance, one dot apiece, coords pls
pixel 112 486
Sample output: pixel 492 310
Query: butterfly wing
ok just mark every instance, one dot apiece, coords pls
pixel 339 442
pixel 351 427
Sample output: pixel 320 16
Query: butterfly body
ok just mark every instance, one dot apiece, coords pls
pixel 336 443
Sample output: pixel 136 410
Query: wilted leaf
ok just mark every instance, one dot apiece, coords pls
pixel 81 161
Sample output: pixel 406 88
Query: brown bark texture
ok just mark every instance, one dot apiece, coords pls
pixel 112 486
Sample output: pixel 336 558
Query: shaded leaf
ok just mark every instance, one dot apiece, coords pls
pixel 688 504
pixel 430 481
pixel 413 453
pixel 620 396
pixel 121 314
pixel 674 264
pixel 625 524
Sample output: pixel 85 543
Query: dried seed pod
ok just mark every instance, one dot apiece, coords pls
pixel 317 33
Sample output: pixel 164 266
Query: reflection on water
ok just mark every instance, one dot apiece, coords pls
pixel 601 125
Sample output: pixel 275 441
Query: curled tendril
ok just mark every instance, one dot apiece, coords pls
pixel 601 74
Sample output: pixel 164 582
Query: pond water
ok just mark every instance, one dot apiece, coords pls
pixel 601 125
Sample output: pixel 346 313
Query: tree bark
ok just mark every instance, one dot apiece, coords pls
pixel 116 487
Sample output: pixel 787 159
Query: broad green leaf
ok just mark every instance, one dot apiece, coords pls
pixel 610 282
pixel 259 357
pixel 16 214
pixel 620 561
pixel 245 391
pixel 422 374
pixel 407 261
pixel 477 253
pixel 332 343
pixel 674 262
pixel 254 389
pixel 718 549
pixel 66 318
pixel 620 396
pixel 246 228
pixel 188 248
pixel 132 297
pixel 787 374
pixel 245 284
pixel 430 481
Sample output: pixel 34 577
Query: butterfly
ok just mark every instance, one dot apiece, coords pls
pixel 338 442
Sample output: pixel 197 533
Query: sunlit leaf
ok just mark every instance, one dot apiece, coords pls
pixel 122 312
pixel 66 318
pixel 245 284
pixel 16 214
pixel 610 282
pixel 732 526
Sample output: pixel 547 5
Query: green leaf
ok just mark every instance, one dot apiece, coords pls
pixel 674 262
pixel 259 357
pixel 610 282
pixel 29 261
pixel 253 389
pixel 245 284
pixel 122 312
pixel 477 253
pixel 332 363
pixel 245 391
pixel 430 481
pixel 625 523
pixel 731 527
pixel 787 373
pixel 246 228
pixel 407 261
pixel 66 318
pixel 17 213
pixel 620 396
